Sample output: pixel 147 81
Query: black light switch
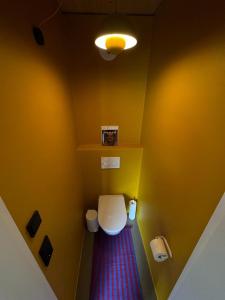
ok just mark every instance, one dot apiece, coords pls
pixel 34 223
pixel 46 250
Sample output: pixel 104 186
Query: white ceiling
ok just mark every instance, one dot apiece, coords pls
pixel 111 6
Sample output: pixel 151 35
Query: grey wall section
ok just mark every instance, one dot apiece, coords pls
pixel 84 280
pixel 203 277
pixel 20 276
pixel 147 286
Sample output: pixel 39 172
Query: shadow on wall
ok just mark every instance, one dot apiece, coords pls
pixel 189 29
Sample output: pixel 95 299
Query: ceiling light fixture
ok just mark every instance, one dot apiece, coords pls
pixel 116 35
pixel 114 42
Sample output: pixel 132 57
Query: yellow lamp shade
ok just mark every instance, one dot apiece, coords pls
pixel 115 44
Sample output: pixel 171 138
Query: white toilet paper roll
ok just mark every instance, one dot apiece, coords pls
pixel 132 209
pixel 159 250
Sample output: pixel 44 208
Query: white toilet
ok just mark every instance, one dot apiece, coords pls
pixel 112 215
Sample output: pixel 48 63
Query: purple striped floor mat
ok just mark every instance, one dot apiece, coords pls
pixel 114 268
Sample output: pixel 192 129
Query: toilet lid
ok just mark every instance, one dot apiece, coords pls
pixel 112 215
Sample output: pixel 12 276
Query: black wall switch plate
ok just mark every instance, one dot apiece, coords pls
pixel 34 223
pixel 46 250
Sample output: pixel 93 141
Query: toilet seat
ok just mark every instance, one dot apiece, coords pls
pixel 112 215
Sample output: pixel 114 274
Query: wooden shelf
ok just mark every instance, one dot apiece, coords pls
pixel 99 147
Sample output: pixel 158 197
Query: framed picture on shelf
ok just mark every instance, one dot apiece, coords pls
pixel 109 135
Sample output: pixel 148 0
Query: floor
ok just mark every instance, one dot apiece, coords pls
pixel 84 280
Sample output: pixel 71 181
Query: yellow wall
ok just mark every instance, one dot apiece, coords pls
pixel 97 182
pixel 183 170
pixel 107 93
pixel 37 154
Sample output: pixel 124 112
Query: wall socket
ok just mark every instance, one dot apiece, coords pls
pixel 110 162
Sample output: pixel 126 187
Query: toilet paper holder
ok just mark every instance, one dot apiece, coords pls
pixel 160 248
pixel 167 246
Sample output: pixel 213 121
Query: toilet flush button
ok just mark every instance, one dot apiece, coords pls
pixel 110 162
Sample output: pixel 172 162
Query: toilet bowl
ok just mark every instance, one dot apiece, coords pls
pixel 112 215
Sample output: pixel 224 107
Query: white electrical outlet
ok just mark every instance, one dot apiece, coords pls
pixel 110 162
